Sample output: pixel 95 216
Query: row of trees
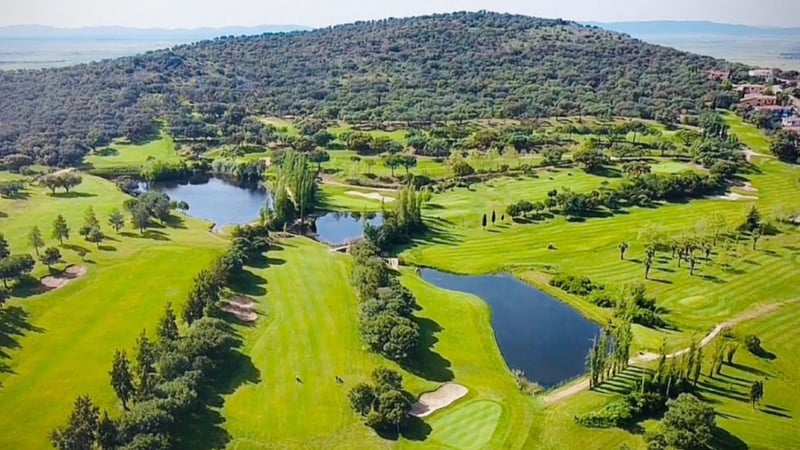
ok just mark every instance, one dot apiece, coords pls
pixel 294 191
pixel 610 353
pixel 400 223
pixel 168 380
pixel 386 312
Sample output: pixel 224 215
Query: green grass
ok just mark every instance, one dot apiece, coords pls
pixel 466 426
pixel 748 134
pixel 308 290
pixel 64 340
pixel 130 157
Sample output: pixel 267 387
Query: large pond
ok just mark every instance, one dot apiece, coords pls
pixel 339 228
pixel 537 334
pixel 226 202
pixel 218 200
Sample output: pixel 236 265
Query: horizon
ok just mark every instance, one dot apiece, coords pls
pixel 313 14
pixel 301 26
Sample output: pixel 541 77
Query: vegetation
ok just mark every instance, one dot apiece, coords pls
pixel 195 86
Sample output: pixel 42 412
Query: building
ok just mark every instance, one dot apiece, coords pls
pixel 766 74
pixel 776 110
pixel 749 89
pixel 793 130
pixel 790 122
pixel 719 75
pixel 760 100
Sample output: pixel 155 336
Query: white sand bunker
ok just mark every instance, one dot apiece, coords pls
pixel 58 281
pixel 371 195
pixel 430 402
pixel 733 197
pixel 748 187
pixel 241 308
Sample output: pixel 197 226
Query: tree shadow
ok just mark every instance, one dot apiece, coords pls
pixel 204 429
pixel 751 370
pixel 424 361
pixel 107 248
pixel 724 439
pixel 175 221
pixel 778 412
pixel 416 429
pixel 155 235
pixel 72 194
pixel 248 283
pixel 14 324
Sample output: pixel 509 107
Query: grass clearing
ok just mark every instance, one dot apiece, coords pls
pixel 130 157
pixel 59 345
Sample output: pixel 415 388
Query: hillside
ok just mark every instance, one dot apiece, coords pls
pixel 452 66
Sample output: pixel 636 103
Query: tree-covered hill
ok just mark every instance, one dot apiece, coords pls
pixel 453 66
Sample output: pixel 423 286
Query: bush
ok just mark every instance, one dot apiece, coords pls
pixel 625 411
pixel 753 344
pixel 573 284
pixel 601 298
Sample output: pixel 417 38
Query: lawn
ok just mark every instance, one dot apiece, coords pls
pixel 126 157
pixel 56 346
pixel 304 287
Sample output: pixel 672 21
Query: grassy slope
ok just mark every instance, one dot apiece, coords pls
pixel 130 156
pixel 74 331
pixel 308 290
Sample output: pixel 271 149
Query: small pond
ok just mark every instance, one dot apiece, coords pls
pixel 221 201
pixel 538 334
pixel 340 227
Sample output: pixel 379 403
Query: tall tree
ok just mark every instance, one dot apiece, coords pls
pixel 15 267
pixel 80 433
pixel 167 330
pixel 623 247
pixel 89 221
pixel 483 221
pixel 60 229
pixel 122 378
pixel 107 433
pixel 50 256
pixel 756 392
pixel 35 239
pixel 5 252
pixel 116 220
pixel 145 366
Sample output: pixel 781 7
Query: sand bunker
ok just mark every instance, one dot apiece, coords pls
pixel 371 195
pixel 58 281
pixel 733 197
pixel 241 308
pixel 431 402
pixel 748 187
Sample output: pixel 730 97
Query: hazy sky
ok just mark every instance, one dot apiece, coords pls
pixel 197 13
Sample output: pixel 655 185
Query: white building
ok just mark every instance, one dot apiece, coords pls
pixel 790 122
pixel 767 74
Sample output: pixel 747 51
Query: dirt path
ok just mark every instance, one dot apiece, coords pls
pixel 326 179
pixel 583 385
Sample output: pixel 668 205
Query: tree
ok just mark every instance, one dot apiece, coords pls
pixel 35 239
pixel 95 235
pixel 786 146
pixel 552 156
pixel 15 267
pixel 122 378
pixel 140 217
pixel 590 159
pixel 407 161
pixel 756 392
pixel 753 220
pixel 60 229
pixel 50 256
pixel 636 168
pixel 89 221
pixel 319 156
pixel 462 169
pixel 494 217
pixel 107 433
pixel 167 330
pixel 145 366
pixel 648 263
pixel 80 433
pixel 394 407
pixel 4 250
pixel 362 398
pixel 687 424
pixel 386 380
pixel 116 219
pixel 483 221
pixel 392 161
pixel 623 247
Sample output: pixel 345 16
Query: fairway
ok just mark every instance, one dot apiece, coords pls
pixel 59 345
pixel 129 157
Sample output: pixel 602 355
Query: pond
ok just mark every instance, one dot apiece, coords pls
pixel 339 228
pixel 218 200
pixel 538 334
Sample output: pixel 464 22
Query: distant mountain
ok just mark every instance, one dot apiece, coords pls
pixel 758 46
pixel 124 33
pixel 667 27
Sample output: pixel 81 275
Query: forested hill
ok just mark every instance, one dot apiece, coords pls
pixel 460 65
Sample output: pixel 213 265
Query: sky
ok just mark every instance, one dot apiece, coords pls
pixel 317 13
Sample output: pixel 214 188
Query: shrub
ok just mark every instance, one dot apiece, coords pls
pixel 753 344
pixel 574 284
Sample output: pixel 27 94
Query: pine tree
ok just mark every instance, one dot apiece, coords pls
pixel 167 330
pixel 145 366
pixel 35 239
pixel 483 222
pixel 122 378
pixel 81 429
pixel 60 229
